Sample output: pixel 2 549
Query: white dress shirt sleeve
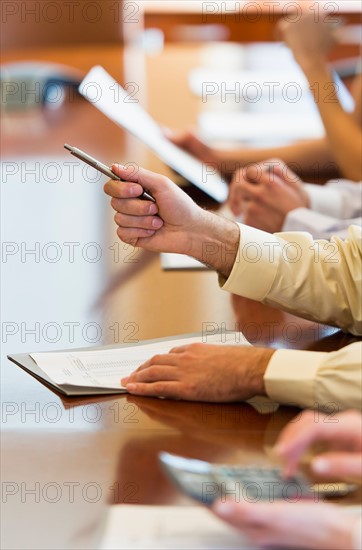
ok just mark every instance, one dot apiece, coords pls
pixel 333 208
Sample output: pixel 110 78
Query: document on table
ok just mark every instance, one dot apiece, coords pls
pixel 165 527
pixel 104 368
pixel 120 106
pixel 171 261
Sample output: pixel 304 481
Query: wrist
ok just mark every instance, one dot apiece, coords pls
pixel 315 69
pixel 215 242
pixel 261 358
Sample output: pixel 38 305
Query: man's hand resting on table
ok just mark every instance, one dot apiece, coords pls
pixel 174 224
pixel 202 372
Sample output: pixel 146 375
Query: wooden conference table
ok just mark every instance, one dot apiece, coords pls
pixel 64 460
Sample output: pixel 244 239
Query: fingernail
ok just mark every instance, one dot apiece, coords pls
pixel 135 190
pixel 117 165
pixel 152 209
pixel 157 223
pixel 131 387
pixel 124 380
pixel 320 466
pixel 223 509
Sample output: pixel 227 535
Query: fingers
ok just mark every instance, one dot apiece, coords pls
pixel 180 349
pixel 286 174
pixel 168 389
pixel 168 359
pixel 342 465
pixel 244 189
pixel 134 207
pixel 136 180
pixel 341 430
pixel 154 373
pixel 136 218
pixel 182 139
pixel 123 189
pixel 131 235
pixel 139 222
pixel 295 439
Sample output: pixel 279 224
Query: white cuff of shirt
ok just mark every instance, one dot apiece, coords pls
pixel 319 225
pixel 291 376
pixel 325 199
pixel 256 264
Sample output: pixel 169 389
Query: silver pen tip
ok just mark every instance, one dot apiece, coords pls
pixel 66 146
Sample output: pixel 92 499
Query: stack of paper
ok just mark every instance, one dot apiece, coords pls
pixel 169 527
pixel 99 370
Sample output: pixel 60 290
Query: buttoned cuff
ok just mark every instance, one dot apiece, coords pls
pixel 291 377
pixel 256 264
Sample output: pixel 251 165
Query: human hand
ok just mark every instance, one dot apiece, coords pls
pixel 265 193
pixel 190 142
pixel 342 432
pixel 309 39
pixel 173 224
pixel 291 524
pixel 202 372
pixel 160 226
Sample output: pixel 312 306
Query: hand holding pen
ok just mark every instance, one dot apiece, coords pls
pixel 102 168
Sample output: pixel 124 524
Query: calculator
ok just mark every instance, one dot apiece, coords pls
pixel 207 482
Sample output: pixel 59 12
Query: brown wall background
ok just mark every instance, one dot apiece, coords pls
pixel 43 23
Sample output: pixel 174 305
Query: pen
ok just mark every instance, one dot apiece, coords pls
pixel 102 168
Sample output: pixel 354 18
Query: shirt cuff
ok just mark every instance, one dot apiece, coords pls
pixel 325 199
pixel 319 225
pixel 256 264
pixel 291 377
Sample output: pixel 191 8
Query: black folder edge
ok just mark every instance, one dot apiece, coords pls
pixel 25 362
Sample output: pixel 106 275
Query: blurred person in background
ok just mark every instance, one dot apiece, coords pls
pixel 271 197
pixel 310 42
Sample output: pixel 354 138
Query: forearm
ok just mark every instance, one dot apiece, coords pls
pixel 343 132
pixel 310 157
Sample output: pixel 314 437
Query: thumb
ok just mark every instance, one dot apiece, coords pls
pixel 150 181
pixel 343 465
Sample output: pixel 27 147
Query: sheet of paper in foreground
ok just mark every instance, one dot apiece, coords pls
pixel 104 368
pixel 165 527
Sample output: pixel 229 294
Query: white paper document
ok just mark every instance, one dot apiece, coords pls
pixel 111 99
pixel 169 528
pixel 105 368
pixel 179 262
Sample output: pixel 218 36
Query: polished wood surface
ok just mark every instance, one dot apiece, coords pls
pixel 64 460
